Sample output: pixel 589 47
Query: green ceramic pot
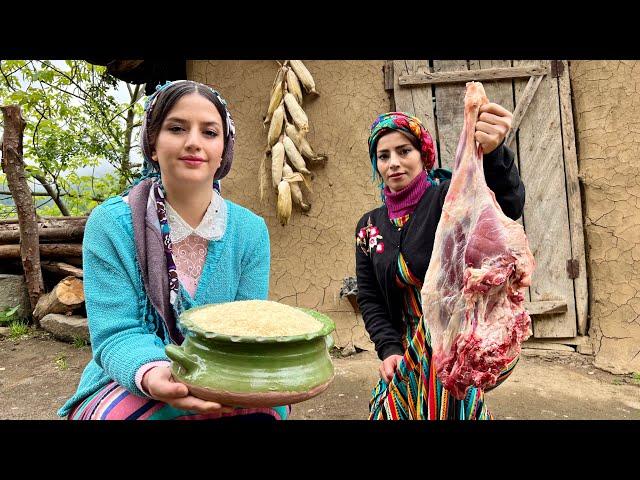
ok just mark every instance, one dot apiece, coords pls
pixel 253 371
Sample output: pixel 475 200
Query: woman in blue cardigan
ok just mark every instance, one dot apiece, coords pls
pixel 169 244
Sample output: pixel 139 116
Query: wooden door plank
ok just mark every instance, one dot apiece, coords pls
pixel 545 212
pixel 574 202
pixel 449 111
pixel 417 101
pixel 500 92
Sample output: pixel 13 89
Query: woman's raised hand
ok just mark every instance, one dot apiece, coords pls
pixel 494 123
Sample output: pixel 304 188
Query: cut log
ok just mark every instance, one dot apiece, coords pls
pixel 61 267
pixel 65 297
pixel 48 221
pixel 53 250
pixel 73 233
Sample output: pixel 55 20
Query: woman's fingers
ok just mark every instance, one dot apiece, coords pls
pixel 387 368
pixel 488 142
pixel 160 384
pixel 195 404
pixel 490 129
pixel 495 109
pixel 492 119
pixel 168 390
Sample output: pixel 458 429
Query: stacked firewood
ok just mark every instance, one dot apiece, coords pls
pixel 60 241
pixel 60 245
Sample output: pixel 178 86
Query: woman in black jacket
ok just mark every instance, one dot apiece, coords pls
pixel 394 245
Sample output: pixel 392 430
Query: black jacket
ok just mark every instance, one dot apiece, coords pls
pixel 379 298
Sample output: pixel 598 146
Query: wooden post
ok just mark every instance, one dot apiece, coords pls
pixel 13 167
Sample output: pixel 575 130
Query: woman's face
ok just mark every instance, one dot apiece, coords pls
pixel 399 161
pixel 190 142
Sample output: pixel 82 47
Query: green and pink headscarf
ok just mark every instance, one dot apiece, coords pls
pixel 405 123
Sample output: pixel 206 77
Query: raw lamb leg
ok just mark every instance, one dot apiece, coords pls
pixel 473 292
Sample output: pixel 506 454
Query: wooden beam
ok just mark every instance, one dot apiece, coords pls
pixel 68 234
pixel 49 220
pixel 63 268
pixel 576 227
pixel 459 76
pixel 521 107
pixel 546 345
pixel 56 250
pixel 545 307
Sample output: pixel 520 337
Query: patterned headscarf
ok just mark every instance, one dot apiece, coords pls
pixel 151 168
pixel 404 123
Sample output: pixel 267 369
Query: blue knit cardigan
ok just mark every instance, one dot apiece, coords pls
pixel 126 330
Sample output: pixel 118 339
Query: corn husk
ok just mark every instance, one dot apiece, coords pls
pixel 293 85
pixel 293 133
pixel 283 209
pixel 277 162
pixel 296 192
pixel 294 156
pixel 304 147
pixel 264 178
pixel 275 128
pixel 276 98
pixel 297 113
pixel 279 78
pixel 304 76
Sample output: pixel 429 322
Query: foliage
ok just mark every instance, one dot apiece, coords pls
pixel 9 315
pixel 73 121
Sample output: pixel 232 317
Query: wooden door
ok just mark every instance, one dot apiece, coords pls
pixel 538 93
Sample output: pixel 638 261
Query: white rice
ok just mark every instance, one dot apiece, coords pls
pixel 255 318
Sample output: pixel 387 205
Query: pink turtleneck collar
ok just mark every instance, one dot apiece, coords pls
pixel 404 202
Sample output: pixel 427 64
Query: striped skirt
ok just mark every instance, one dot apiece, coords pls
pixel 114 402
pixel 415 393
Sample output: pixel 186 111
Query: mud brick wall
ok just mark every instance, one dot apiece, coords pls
pixel 606 102
pixel 315 251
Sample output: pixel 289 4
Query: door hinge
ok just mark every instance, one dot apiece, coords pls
pixel 388 75
pixel 573 268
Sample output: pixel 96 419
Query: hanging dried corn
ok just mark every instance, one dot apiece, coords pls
pixel 287 146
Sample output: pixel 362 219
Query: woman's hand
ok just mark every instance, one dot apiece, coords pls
pixel 161 386
pixel 494 123
pixel 388 367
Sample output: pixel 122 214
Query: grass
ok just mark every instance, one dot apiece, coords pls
pixel 635 376
pixel 61 362
pixel 18 329
pixel 79 342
